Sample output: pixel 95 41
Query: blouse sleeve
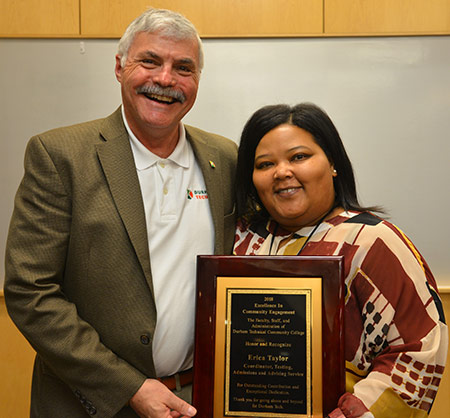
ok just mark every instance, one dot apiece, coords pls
pixel 396 336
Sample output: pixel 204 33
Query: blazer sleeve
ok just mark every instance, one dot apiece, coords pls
pixel 35 262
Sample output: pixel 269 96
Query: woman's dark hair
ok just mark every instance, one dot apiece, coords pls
pixel 312 119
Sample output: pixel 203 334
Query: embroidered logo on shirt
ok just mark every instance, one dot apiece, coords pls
pixel 196 194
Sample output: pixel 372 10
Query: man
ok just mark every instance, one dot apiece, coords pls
pixel 108 220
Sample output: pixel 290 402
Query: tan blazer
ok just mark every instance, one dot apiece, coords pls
pixel 78 282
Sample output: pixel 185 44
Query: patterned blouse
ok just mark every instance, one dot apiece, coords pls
pixel 397 343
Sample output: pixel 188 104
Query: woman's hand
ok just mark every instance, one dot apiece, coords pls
pixel 349 406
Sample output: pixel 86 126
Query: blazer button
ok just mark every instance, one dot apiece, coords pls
pixel 145 339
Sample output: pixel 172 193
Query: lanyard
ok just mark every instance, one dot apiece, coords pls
pixel 307 238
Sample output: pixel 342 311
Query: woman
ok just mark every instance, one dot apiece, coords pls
pixel 296 195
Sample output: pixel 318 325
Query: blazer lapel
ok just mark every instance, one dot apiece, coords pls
pixel 209 160
pixel 118 164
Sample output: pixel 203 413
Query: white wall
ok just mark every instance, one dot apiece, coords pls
pixel 389 98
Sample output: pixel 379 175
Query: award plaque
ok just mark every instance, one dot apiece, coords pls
pixel 268 336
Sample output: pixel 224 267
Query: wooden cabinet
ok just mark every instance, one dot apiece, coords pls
pixel 17 362
pixel 386 17
pixel 16 367
pixel 229 18
pixel 212 18
pixel 39 18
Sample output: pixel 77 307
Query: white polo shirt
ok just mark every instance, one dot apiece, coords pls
pixel 179 226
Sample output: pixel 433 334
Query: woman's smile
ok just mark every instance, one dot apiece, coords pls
pixel 287 191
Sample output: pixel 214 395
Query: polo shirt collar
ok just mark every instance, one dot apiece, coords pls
pixel 144 158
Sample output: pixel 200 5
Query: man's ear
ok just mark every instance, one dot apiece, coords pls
pixel 118 68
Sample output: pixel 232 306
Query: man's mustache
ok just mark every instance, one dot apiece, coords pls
pixel 162 91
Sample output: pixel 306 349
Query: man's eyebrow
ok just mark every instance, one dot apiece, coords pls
pixel 186 61
pixel 148 54
pixel 183 61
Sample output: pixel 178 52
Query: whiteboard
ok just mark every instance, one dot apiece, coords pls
pixel 389 98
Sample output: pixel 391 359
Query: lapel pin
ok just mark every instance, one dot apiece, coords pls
pixel 211 163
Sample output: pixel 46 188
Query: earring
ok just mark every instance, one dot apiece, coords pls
pixel 334 172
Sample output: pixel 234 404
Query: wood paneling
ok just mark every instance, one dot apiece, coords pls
pixel 229 18
pixel 39 18
pixel 441 405
pixel 16 361
pixel 386 17
pixel 212 18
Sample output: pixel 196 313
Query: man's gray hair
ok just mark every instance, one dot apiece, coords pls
pixel 168 23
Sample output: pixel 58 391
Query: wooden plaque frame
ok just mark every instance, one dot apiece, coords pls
pixel 211 269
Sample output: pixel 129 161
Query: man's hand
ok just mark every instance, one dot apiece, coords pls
pixel 155 400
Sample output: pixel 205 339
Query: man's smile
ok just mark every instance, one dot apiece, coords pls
pixel 165 95
pixel 160 99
